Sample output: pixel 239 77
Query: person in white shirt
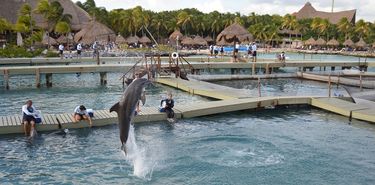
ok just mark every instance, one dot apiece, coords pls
pixel 28 117
pixel 80 113
pixel 254 51
pixel 61 50
pixel 79 50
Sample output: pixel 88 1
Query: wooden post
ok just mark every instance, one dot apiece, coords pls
pixel 360 81
pixel 37 78
pixel 97 57
pixel 259 88
pixel 49 79
pixel 329 86
pixel 253 69
pixel 103 78
pixel 6 79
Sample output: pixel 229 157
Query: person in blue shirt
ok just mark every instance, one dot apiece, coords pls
pixel 166 106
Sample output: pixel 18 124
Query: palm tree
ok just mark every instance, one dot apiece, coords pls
pixel 362 28
pixel 344 26
pixel 184 19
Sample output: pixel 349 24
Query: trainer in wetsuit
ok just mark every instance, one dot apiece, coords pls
pixel 28 120
pixel 166 106
pixel 80 113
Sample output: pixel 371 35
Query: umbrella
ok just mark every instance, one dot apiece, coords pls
pixel 94 31
pixel 120 39
pixel 47 39
pixel 310 41
pixel 333 42
pixel 320 42
pixel 361 43
pixel 348 42
pixel 199 41
pixel 176 34
pixel 144 40
pixel 132 39
pixel 19 39
pixel 187 41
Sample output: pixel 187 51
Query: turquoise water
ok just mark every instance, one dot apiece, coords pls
pixel 280 146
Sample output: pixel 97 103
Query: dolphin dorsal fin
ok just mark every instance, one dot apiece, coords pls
pixel 115 107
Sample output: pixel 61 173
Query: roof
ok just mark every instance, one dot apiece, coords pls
pixel 94 31
pixel 235 32
pixel 308 11
pixel 132 39
pixel 348 42
pixel 120 39
pixel 198 40
pixel 174 35
pixel 361 43
pixel 320 42
pixel 145 40
pixel 310 41
pixel 333 42
pixel 9 10
pixel 187 41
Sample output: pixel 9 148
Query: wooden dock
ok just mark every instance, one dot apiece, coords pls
pixel 206 89
pixel 12 124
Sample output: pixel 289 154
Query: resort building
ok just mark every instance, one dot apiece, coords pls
pixel 308 11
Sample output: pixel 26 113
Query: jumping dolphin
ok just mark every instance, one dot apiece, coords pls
pixel 125 108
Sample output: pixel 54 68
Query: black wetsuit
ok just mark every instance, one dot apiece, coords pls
pixel 169 104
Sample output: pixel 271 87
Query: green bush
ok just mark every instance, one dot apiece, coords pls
pixel 51 54
pixel 19 52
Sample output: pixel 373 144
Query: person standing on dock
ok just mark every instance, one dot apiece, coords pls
pixel 61 51
pixel 80 113
pixel 28 119
pixel 79 50
pixel 254 51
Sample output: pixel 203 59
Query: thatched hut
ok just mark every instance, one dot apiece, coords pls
pixel 9 10
pixel 209 39
pixel 224 43
pixel 320 42
pixel 349 43
pixel 187 41
pixel 198 40
pixel 176 34
pixel 132 40
pixel 145 40
pixel 333 42
pixel 310 42
pixel 95 31
pixel 64 39
pixel 120 39
pixel 361 43
pixel 235 33
pixel 47 39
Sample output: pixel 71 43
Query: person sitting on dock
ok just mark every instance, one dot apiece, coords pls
pixel 166 106
pixel 80 113
pixel 28 119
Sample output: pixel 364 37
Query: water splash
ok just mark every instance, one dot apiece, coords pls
pixel 137 157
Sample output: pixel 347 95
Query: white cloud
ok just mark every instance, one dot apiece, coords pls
pixel 282 7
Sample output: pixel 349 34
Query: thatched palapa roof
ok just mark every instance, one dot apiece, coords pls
pixel 9 10
pixel 174 35
pixel 132 39
pixel 310 41
pixel 348 42
pixel 361 43
pixel 236 33
pixel 224 43
pixel 198 40
pixel 144 40
pixel 187 41
pixel 95 31
pixel 63 39
pixel 333 42
pixel 209 39
pixel 49 39
pixel 320 42
pixel 308 11
pixel 120 39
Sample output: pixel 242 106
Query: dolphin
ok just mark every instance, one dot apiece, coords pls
pixel 125 108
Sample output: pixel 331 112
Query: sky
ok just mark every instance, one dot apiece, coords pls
pixel 365 8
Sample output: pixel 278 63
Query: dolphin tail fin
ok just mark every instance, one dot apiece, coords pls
pixel 115 107
pixel 123 148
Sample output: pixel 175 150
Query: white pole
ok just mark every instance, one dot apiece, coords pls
pixel 333 4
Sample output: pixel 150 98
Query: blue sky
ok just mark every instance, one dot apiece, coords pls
pixel 365 8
